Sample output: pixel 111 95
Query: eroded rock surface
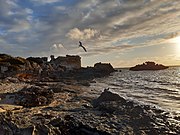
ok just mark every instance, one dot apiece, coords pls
pixel 72 110
pixel 34 96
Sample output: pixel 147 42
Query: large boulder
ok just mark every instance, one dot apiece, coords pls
pixel 104 67
pixel 107 96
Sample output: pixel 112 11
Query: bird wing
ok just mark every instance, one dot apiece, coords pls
pixel 80 45
pixel 84 48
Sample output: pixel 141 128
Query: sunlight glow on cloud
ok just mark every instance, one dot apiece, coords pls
pixel 175 40
pixel 85 34
pixel 57 47
pixel 104 26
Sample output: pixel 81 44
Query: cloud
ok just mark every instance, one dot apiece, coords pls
pixel 104 26
pixel 45 1
pixel 60 8
pixel 76 34
pixel 58 49
pixel 13 18
pixel 19 26
pixel 29 11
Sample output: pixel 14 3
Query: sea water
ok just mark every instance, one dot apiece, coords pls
pixel 156 88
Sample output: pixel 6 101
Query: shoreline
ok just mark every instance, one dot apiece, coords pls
pixel 72 111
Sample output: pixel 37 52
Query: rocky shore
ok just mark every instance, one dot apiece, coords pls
pixel 58 100
pixel 70 108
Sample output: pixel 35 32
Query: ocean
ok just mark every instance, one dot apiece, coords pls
pixel 156 88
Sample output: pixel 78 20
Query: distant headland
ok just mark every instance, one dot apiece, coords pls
pixel 55 69
pixel 148 66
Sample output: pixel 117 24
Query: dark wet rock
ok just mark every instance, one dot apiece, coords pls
pixel 148 66
pixel 89 73
pixel 71 126
pixel 104 67
pixel 137 111
pixel 133 118
pixel 28 131
pixel 38 60
pixel 108 96
pixel 7 127
pixel 34 96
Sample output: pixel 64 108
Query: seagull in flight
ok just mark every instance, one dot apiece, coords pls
pixel 80 45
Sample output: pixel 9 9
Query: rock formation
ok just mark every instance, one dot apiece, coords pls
pixel 34 68
pixel 34 96
pixel 104 67
pixel 69 62
pixel 148 66
pixel 38 60
pixel 107 96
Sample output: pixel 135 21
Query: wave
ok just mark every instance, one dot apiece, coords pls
pixel 158 88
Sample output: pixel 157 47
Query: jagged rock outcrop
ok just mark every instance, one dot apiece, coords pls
pixel 104 67
pixel 11 65
pixel 148 66
pixel 38 60
pixel 134 118
pixel 107 96
pixel 56 69
pixel 99 70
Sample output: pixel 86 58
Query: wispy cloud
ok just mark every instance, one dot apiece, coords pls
pixel 45 1
pixel 104 26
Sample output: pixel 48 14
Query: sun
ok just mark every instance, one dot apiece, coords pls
pixel 176 43
pixel 175 40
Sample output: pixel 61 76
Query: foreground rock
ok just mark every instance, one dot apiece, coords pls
pixel 108 96
pixel 34 96
pixel 56 126
pixel 132 118
pixel 148 66
pixel 73 111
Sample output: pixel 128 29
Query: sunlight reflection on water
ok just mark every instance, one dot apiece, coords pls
pixel 160 88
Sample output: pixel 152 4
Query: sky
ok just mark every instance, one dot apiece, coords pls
pixel 121 32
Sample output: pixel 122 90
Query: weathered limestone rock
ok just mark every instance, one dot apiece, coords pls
pixel 69 62
pixel 34 96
